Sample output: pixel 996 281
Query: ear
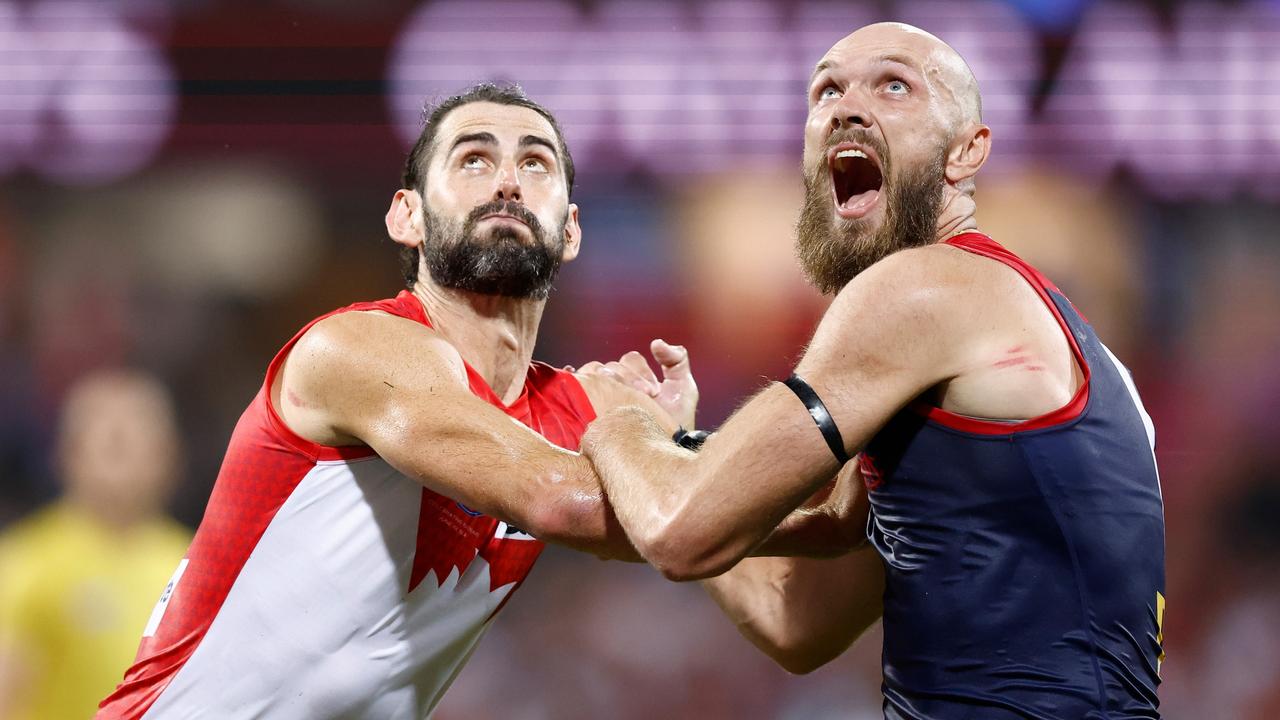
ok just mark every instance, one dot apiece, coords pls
pixel 967 157
pixel 404 218
pixel 572 235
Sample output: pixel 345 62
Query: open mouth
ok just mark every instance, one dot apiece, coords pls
pixel 855 179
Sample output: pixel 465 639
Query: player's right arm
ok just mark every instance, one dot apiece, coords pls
pixel 389 383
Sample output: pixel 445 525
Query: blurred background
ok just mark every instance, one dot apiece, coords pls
pixel 184 184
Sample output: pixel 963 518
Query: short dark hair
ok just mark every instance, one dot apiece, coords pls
pixel 415 166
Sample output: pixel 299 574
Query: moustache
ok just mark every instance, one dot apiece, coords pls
pixel 505 207
pixel 858 136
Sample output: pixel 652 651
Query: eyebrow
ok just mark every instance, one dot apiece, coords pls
pixel 899 59
pixel 528 140
pixel 890 58
pixel 488 138
pixel 817 70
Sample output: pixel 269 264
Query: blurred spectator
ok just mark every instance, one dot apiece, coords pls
pixel 78 578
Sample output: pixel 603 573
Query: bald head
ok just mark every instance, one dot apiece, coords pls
pixel 893 142
pixel 947 73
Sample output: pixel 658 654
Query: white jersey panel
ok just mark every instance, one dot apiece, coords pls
pixel 318 624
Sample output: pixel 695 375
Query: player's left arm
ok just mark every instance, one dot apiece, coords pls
pixel 802 612
pixel 891 334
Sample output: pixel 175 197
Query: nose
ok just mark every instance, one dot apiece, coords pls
pixel 850 112
pixel 508 185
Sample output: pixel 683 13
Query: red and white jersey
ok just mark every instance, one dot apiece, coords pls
pixel 322 583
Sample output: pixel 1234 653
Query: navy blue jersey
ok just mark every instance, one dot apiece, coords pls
pixel 1024 561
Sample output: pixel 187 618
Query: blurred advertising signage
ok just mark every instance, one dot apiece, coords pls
pixel 84 98
pixel 672 87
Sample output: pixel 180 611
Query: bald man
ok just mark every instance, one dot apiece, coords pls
pixel 1015 521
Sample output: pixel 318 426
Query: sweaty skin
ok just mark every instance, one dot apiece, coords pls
pixel 932 321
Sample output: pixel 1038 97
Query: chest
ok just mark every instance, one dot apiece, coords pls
pixel 451 538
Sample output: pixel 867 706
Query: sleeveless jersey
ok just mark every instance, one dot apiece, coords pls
pixel 1024 561
pixel 322 583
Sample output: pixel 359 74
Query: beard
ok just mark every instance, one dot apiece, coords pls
pixel 833 250
pixel 498 262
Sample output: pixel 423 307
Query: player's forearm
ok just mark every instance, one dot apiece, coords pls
pixel 753 596
pixel 818 532
pixel 652 486
pixel 504 470
pixel 636 469
pixel 572 510
pixel 695 516
pixel 802 612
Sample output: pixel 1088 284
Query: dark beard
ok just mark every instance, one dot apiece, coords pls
pixel 501 264
pixel 833 250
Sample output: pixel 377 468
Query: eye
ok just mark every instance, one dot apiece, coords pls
pixel 473 162
pixel 534 164
pixel 829 92
pixel 897 87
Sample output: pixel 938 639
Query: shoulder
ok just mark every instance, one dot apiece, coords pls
pixel 357 367
pixel 351 343
pixel 919 307
pixel 917 290
pixel 926 278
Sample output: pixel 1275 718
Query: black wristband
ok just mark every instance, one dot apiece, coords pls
pixel 818 411
pixel 690 439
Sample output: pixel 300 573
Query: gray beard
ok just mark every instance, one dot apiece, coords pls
pixel 833 250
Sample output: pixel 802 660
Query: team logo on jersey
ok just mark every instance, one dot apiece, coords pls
pixel 451 536
pixel 511 532
pixel 872 478
pixel 157 613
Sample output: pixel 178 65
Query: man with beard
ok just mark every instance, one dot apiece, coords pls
pixel 397 474
pixel 1015 518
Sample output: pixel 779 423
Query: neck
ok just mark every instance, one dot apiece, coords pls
pixel 494 334
pixel 957 215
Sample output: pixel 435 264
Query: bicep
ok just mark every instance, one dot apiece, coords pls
pixel 891 334
pixel 887 338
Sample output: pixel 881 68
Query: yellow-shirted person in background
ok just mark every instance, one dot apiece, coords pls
pixel 79 578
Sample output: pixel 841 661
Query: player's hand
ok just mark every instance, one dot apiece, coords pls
pixel 848 500
pixel 676 393
pixel 830 523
